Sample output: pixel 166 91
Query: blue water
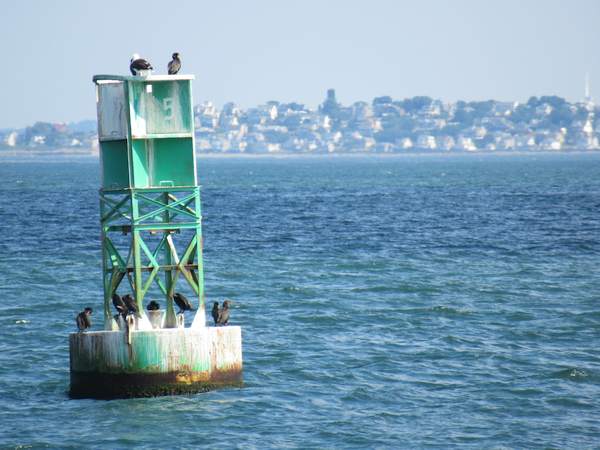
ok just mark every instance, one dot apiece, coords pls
pixel 402 302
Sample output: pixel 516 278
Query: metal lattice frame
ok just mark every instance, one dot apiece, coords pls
pixel 138 212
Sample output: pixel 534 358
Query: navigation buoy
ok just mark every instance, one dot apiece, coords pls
pixel 151 239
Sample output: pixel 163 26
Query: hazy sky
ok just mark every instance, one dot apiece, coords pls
pixel 254 51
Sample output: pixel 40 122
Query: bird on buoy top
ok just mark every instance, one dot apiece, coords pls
pixel 174 65
pixel 83 319
pixel 139 64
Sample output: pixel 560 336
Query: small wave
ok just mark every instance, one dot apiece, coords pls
pixel 360 393
pixel 291 289
pixel 448 310
pixel 572 373
pixel 317 320
pixel 440 310
pixel 403 289
pixel 297 290
pixel 21 321
pixel 570 402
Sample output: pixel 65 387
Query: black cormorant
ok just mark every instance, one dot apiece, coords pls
pixel 183 303
pixel 83 319
pixel 174 65
pixel 215 312
pixel 119 304
pixel 153 306
pixel 224 314
pixel 138 64
pixel 130 303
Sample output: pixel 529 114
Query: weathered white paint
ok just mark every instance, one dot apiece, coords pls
pixel 142 323
pixel 101 79
pixel 117 323
pixel 200 351
pixel 199 319
pixel 151 320
pixel 156 318
pixel 111 111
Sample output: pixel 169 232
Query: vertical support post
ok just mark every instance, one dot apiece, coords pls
pixel 105 284
pixel 137 256
pixel 170 319
pixel 200 317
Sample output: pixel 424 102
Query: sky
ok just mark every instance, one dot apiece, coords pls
pixel 253 51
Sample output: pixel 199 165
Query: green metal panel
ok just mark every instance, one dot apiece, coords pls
pixel 115 173
pixel 163 162
pixel 139 163
pixel 173 162
pixel 160 107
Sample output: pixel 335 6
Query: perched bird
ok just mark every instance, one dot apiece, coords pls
pixel 215 312
pixel 153 306
pixel 183 303
pixel 119 304
pixel 224 314
pixel 138 64
pixel 130 303
pixel 83 319
pixel 174 65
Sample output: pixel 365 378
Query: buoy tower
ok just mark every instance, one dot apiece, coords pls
pixel 151 238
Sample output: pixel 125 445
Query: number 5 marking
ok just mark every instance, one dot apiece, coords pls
pixel 168 107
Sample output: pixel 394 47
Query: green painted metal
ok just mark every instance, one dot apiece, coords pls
pixel 149 189
pixel 115 169
pixel 160 107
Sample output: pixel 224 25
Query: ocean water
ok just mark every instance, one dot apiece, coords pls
pixel 386 302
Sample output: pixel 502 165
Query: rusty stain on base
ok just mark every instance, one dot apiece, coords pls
pixel 157 362
pixel 112 386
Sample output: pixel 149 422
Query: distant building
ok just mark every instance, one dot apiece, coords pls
pixel 405 143
pixel 382 125
pixel 466 144
pixel 446 143
pixel 426 142
pixel 330 106
pixel 524 142
pixel 11 139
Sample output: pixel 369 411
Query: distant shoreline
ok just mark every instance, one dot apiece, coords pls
pixel 60 155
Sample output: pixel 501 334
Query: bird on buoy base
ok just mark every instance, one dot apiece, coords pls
pixel 182 302
pixel 224 313
pixel 83 319
pixel 153 306
pixel 215 312
pixel 130 303
pixel 119 304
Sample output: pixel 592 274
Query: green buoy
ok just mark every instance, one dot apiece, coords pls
pixel 151 228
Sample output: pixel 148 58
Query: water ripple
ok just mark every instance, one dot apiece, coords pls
pixel 383 305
